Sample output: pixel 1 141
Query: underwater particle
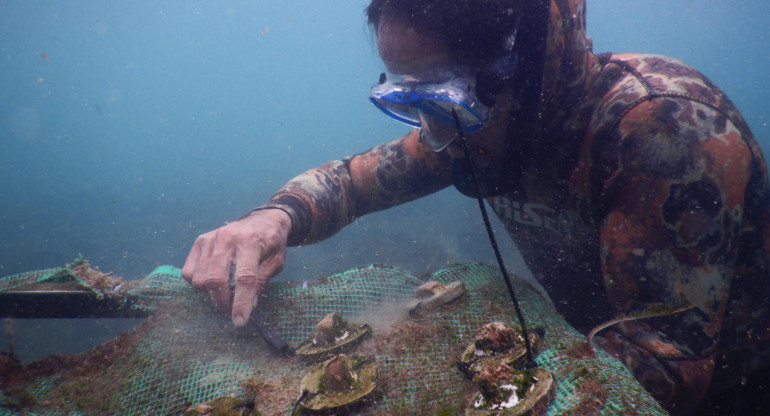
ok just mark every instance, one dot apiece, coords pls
pixel 333 335
pixel 431 295
pixel 338 385
pixel 25 124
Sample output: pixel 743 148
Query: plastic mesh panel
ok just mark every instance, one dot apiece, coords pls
pixel 294 311
pixel 163 284
pixel 188 353
pixel 21 279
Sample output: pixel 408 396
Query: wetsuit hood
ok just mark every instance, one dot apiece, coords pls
pixel 569 61
pixel 556 67
pixel 557 60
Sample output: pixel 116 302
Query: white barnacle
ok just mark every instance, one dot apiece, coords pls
pixel 342 337
pixel 512 400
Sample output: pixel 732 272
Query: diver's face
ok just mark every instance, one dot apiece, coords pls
pixel 406 51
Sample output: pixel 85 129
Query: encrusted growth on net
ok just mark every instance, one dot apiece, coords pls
pixel 189 353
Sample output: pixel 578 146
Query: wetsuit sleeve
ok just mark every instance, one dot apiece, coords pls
pixel 668 240
pixel 323 200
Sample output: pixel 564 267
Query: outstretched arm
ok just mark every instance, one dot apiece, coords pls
pixel 311 207
pixel 323 200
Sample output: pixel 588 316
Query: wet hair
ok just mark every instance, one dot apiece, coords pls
pixel 472 30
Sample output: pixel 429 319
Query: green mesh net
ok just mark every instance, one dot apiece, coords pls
pixel 187 353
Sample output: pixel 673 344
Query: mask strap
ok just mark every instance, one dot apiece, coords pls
pixel 490 81
pixel 464 143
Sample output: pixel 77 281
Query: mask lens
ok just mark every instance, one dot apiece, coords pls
pixel 401 112
pixel 430 105
pixel 438 132
pixel 397 103
pixel 442 109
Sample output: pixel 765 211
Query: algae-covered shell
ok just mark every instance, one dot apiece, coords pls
pixel 496 343
pixel 347 336
pixel 222 406
pixel 432 295
pixel 535 401
pixel 360 381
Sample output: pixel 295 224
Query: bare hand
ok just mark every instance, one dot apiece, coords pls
pixel 255 245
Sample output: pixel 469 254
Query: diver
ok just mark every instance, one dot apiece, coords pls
pixel 628 182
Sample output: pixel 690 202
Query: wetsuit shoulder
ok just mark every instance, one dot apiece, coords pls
pixel 636 78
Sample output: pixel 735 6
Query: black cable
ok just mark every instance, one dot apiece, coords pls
pixel 464 143
pixel 305 393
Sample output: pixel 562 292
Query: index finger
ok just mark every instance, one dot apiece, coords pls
pixel 247 288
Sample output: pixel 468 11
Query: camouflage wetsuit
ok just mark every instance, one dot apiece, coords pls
pixel 642 187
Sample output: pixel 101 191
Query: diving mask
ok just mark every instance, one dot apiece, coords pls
pixel 428 100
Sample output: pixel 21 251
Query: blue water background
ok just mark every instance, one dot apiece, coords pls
pixel 127 128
